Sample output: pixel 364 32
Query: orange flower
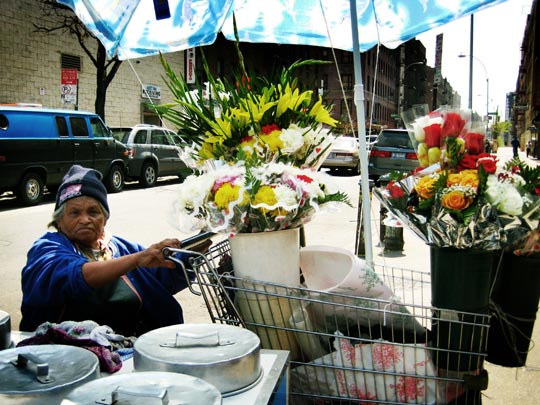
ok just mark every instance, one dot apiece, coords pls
pixel 456 199
pixel 424 187
pixel 454 179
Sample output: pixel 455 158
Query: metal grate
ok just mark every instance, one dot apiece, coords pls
pixel 70 61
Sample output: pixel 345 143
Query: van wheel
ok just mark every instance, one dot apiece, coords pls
pixel 31 189
pixel 148 175
pixel 115 180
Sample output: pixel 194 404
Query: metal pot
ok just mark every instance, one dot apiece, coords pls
pixel 5 330
pixel 44 373
pixel 227 357
pixel 140 388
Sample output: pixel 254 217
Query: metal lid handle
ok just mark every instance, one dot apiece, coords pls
pixel 41 368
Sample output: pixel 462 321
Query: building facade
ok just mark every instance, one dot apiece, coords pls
pixel 524 105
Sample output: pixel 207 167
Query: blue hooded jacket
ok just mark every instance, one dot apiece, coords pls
pixel 52 282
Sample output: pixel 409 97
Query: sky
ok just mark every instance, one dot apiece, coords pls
pixel 497 38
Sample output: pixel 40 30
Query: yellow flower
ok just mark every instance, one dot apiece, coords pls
pixel 207 151
pixel 454 179
pixel 470 178
pixel 226 195
pixel 456 200
pixel 424 188
pixel 273 140
pixel 265 195
pixel 321 114
pixel 289 99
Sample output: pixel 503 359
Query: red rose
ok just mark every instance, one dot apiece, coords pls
pixel 453 124
pixel 489 163
pixel 395 190
pixel 474 143
pixel 433 135
pixel 468 162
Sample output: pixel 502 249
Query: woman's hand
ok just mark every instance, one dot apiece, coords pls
pixel 153 255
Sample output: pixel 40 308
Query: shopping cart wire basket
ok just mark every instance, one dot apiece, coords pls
pixel 350 349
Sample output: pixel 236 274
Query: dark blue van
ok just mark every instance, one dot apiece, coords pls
pixel 38 146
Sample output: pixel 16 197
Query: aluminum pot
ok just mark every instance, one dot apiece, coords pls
pixel 44 374
pixel 144 388
pixel 227 357
pixel 5 330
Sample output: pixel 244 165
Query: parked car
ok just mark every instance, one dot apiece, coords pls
pixel 393 151
pixel 39 145
pixel 344 155
pixel 153 152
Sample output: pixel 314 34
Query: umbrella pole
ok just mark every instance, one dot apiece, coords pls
pixel 361 122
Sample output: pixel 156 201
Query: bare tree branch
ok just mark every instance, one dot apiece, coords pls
pixel 58 19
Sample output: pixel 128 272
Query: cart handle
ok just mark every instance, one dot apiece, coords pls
pixel 169 252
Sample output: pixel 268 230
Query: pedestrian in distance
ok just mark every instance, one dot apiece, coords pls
pixel 528 148
pixel 515 146
pixel 81 272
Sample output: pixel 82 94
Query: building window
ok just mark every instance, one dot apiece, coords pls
pixel 347 81
pixel 346 57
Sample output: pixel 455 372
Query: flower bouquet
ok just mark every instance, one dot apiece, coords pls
pixel 253 119
pixel 239 198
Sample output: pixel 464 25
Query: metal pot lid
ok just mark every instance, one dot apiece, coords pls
pixel 198 344
pixel 142 387
pixel 45 369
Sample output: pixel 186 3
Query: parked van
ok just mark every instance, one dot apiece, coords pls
pixel 38 146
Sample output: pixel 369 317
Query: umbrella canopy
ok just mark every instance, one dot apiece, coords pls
pixel 137 28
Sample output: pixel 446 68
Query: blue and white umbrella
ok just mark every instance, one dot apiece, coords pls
pixel 138 28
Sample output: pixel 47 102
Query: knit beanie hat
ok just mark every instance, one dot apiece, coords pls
pixel 81 181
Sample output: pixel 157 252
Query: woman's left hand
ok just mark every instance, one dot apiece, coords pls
pixel 153 255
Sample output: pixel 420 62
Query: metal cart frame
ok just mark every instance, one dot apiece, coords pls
pixel 345 348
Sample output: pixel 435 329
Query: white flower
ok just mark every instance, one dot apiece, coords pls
pixel 286 196
pixel 193 191
pixel 292 138
pixel 504 196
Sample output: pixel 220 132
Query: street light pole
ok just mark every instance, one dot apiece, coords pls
pixel 471 57
pixel 402 71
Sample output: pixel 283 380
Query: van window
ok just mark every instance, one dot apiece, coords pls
pixel 61 124
pixel 3 122
pixel 98 129
pixel 78 126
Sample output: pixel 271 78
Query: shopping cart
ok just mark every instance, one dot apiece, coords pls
pixel 350 349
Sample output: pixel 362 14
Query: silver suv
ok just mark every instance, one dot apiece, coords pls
pixel 152 152
pixel 393 151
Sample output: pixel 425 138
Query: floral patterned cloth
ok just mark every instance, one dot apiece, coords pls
pixel 409 376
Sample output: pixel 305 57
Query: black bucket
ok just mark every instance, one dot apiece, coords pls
pixel 460 287
pixel 515 299
pixel 461 278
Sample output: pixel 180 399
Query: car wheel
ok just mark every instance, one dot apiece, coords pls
pixel 148 175
pixel 358 169
pixel 31 189
pixel 115 180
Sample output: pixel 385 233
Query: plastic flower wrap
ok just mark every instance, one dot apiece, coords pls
pixel 251 119
pixel 242 199
pixel 448 207
pixel 443 136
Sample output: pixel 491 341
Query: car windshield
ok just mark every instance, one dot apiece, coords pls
pixel 394 139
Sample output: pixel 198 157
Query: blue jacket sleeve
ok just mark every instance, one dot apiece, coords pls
pixel 53 272
pixel 173 280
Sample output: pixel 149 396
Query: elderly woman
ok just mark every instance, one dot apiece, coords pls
pixel 81 273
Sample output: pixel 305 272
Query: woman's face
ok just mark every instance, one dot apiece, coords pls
pixel 83 221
